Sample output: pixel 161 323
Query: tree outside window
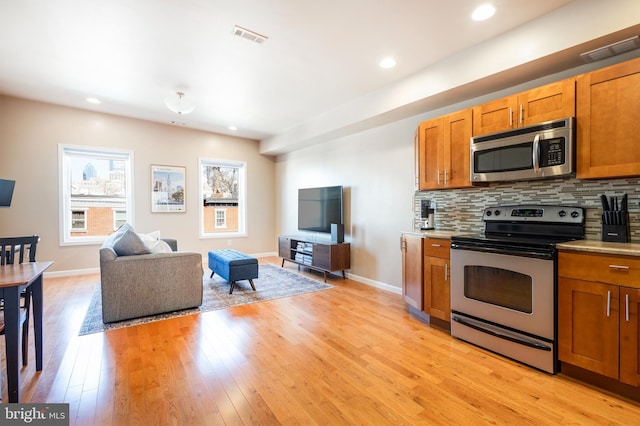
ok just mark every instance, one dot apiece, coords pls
pixel 223 192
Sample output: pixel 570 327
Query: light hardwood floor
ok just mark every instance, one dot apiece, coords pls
pixel 348 355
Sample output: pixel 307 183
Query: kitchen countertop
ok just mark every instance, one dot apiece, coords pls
pixel 435 233
pixel 595 246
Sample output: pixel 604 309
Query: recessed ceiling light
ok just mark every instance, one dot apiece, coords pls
pixel 233 128
pixel 387 63
pixel 93 100
pixel 483 12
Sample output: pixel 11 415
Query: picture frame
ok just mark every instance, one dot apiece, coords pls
pixel 168 189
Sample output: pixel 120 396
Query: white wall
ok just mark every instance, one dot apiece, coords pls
pixel 375 168
pixel 29 136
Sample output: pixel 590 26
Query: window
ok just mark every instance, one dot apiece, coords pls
pixel 96 190
pixel 223 192
pixel 221 218
pixel 79 220
pixel 119 218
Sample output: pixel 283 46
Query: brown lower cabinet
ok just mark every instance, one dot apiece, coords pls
pixel 598 322
pixel 437 270
pixel 425 275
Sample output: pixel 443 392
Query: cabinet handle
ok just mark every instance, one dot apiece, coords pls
pixel 626 307
pixel 435 245
pixel 521 113
pixel 446 271
pixel 445 176
pixel 624 268
pixel 609 303
pixel 510 117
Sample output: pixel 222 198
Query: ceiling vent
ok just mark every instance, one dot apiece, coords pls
pixel 611 50
pixel 249 35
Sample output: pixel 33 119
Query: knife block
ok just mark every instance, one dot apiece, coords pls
pixel 617 233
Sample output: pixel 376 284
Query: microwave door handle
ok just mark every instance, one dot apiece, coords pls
pixel 535 153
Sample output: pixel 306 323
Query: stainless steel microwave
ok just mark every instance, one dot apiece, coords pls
pixel 533 152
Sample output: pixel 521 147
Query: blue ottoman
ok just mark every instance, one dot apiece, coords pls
pixel 233 266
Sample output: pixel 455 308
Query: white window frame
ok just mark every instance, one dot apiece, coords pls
pixel 65 152
pixel 224 218
pixel 242 197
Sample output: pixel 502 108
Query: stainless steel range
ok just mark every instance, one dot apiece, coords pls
pixel 503 281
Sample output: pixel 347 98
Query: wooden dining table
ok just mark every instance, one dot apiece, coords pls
pixel 13 280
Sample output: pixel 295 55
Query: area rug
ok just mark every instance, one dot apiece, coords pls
pixel 273 282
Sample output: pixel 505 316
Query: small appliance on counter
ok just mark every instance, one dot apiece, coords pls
pixel 615 219
pixel 427 213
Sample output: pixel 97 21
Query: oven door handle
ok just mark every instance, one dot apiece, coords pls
pixel 530 343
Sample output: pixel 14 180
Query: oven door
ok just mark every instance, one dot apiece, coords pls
pixel 516 292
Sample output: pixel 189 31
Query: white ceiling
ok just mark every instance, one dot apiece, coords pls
pixel 131 54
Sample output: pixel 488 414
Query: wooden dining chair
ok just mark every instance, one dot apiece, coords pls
pixel 15 250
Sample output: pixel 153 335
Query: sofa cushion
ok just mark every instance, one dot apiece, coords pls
pixel 129 243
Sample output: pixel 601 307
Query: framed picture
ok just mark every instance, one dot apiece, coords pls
pixel 168 189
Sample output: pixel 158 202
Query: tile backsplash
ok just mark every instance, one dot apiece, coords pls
pixel 461 209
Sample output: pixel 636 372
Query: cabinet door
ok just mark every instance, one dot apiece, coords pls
pixel 629 336
pixel 551 102
pixel 494 116
pixel 430 153
pixel 284 248
pixel 411 247
pixel 588 325
pixel 457 135
pixel 608 119
pixel 436 288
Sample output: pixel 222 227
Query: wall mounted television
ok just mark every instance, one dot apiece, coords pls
pixel 318 208
pixel 6 192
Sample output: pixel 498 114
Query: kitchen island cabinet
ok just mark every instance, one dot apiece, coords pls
pixel 443 151
pixel 608 118
pixel 550 102
pixel 598 322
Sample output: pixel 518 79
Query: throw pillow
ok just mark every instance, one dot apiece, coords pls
pixel 110 240
pixel 128 244
pixel 159 247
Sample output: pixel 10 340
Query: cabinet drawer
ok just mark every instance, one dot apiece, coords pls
pixel 620 270
pixel 437 247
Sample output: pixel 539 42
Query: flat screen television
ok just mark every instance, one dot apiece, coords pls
pixel 318 208
pixel 6 192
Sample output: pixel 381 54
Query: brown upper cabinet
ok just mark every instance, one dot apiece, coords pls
pixel 550 102
pixel 608 118
pixel 443 151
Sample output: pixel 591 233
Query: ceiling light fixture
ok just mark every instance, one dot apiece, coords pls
pixel 93 100
pixel 483 12
pixel 233 128
pixel 387 63
pixel 179 104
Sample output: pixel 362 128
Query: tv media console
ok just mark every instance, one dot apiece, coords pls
pixel 323 257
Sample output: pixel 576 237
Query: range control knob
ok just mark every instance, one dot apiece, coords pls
pixel 488 213
pixel 562 213
pixel 575 214
pixel 497 212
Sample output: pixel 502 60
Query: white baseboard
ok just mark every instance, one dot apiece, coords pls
pixel 71 272
pixel 376 284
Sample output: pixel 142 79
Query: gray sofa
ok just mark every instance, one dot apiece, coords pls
pixel 147 284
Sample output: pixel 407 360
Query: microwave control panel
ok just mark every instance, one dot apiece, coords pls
pixel 552 152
